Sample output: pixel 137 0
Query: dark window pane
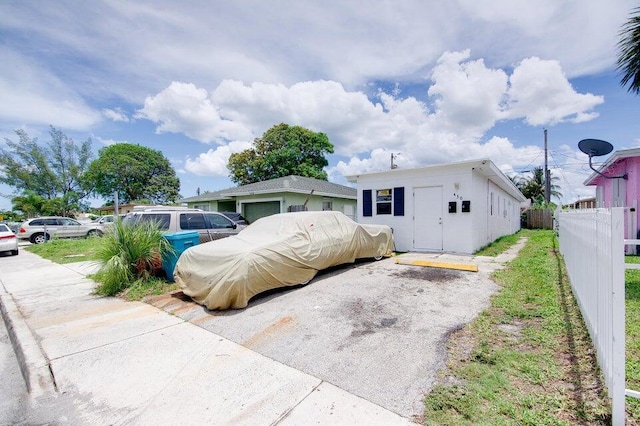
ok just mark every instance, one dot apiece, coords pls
pixel 383 208
pixel 192 221
pixel 162 220
pixel 218 221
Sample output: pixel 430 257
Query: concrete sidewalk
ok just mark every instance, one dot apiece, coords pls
pixel 97 360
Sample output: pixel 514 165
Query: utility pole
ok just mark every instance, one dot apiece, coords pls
pixel 547 177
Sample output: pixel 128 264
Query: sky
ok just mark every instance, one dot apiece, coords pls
pixel 428 81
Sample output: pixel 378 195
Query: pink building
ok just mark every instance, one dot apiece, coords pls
pixel 621 186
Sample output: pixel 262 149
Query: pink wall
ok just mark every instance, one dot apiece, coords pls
pixel 630 166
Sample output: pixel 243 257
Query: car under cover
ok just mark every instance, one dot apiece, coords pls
pixel 276 251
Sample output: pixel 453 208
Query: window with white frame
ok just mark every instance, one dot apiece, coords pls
pixel 383 201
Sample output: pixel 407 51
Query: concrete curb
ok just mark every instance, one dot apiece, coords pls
pixel 34 365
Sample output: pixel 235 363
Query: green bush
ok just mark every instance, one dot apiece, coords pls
pixel 130 254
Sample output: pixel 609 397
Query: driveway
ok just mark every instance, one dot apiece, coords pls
pixel 375 329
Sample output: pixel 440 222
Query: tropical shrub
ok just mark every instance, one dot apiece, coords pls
pixel 130 254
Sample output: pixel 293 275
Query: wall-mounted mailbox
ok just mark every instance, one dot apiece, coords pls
pixel 466 206
pixel 453 206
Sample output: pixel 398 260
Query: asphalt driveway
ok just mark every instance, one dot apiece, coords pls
pixel 375 329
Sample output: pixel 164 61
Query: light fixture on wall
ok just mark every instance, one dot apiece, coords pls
pixel 597 148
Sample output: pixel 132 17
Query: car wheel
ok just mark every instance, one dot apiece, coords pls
pixel 94 233
pixel 14 252
pixel 39 238
pixel 305 282
pixel 377 257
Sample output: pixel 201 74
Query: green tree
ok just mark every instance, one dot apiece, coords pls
pixel 53 171
pixel 282 150
pixel 629 52
pixel 30 203
pixel 8 215
pixel 135 172
pixel 534 186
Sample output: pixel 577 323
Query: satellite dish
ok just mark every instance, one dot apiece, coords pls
pixel 595 147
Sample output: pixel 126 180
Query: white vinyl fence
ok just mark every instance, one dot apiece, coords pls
pixel 592 244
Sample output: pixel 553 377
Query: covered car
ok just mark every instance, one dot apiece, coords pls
pixel 275 251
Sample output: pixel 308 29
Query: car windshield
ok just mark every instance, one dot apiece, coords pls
pixel 4 228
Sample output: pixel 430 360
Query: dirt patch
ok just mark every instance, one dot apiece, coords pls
pixel 367 318
pixel 427 273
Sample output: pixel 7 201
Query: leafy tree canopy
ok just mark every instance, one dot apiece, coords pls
pixel 629 52
pixel 12 216
pixel 53 171
pixel 282 150
pixel 135 172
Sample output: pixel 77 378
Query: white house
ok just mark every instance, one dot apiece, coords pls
pixel 456 207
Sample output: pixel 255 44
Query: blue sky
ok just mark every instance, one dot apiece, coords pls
pixel 433 82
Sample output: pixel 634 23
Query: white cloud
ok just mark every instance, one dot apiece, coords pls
pixel 352 42
pixel 214 161
pixel 115 114
pixel 32 95
pixel 541 93
pixel 468 99
pixel 468 95
pixel 184 108
pixel 107 142
pixel 309 64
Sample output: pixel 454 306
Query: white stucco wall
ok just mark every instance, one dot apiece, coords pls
pixel 462 232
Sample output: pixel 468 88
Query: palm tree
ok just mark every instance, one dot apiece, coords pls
pixel 518 181
pixel 534 187
pixel 629 52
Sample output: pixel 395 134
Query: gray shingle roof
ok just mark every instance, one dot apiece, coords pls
pixel 291 183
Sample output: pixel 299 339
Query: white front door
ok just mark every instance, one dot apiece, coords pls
pixel 427 218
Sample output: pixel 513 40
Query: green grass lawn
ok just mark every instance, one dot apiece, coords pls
pixel 632 319
pixel 528 359
pixel 68 250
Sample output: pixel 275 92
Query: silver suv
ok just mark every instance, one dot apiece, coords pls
pixel 210 225
pixel 41 229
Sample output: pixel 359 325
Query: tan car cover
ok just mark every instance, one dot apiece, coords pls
pixel 275 251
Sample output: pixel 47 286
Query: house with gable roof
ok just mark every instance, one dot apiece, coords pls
pixel 617 183
pixel 280 195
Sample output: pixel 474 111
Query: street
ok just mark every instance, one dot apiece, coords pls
pixel 14 399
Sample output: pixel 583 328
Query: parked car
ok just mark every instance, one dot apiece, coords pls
pixel 13 226
pixel 8 240
pixel 275 251
pixel 41 229
pixel 236 217
pixel 105 221
pixel 210 225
